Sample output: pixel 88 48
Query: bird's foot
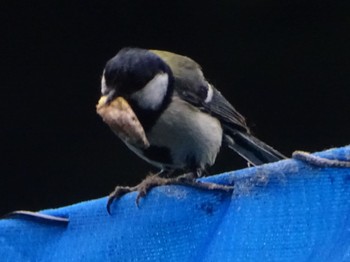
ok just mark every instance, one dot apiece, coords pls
pixel 151 181
pixel 143 188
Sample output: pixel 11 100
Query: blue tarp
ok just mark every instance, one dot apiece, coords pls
pixel 285 211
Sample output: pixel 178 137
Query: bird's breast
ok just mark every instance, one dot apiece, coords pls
pixel 192 137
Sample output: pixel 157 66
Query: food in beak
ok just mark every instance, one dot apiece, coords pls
pixel 119 116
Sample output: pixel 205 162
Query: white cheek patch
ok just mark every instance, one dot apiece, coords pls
pixel 103 84
pixel 209 94
pixel 152 95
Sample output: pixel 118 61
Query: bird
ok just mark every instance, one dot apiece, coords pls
pixel 164 109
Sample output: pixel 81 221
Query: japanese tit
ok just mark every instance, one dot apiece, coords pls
pixel 184 120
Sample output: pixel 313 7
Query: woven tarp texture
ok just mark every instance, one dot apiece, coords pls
pixel 285 211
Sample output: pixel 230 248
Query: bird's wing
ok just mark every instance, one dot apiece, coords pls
pixel 191 86
pixel 236 135
pixel 218 106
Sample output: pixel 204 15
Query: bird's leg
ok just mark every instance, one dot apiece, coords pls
pixel 143 188
pixel 187 179
pixel 165 173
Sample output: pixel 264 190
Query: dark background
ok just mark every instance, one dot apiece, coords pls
pixel 284 65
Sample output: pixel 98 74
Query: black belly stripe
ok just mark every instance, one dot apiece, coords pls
pixel 159 154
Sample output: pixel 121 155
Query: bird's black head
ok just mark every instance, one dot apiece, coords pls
pixel 131 69
pixel 142 78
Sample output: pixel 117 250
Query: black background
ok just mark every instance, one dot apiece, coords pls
pixel 284 65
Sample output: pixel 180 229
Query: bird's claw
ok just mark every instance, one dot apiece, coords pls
pixel 153 181
pixel 118 192
pixel 143 188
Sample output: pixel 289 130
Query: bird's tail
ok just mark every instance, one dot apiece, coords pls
pixel 252 149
